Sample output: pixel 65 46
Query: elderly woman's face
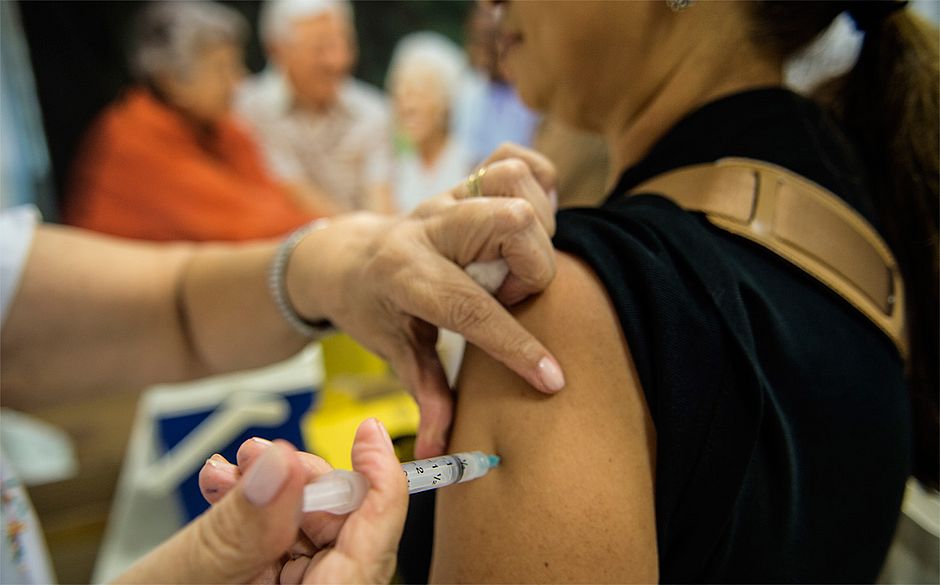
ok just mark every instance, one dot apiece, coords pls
pixel 420 102
pixel 205 90
pixel 573 58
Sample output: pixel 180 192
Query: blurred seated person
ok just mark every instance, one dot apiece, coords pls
pixel 166 161
pixel 488 111
pixel 316 124
pixel 423 77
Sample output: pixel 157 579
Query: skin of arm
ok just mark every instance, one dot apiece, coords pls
pixel 94 313
pixel 572 500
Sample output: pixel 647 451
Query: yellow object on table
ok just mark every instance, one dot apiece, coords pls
pixel 357 385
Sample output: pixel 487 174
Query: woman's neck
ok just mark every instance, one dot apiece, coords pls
pixel 632 133
pixel 203 128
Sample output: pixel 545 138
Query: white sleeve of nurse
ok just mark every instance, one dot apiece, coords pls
pixel 23 555
pixel 17 226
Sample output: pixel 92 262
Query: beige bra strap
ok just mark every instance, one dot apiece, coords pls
pixel 800 221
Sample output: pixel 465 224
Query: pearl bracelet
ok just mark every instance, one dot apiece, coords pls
pixel 278 285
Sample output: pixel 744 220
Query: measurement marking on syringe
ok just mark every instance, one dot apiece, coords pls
pixel 334 492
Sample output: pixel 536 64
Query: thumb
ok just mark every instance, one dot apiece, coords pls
pixel 365 551
pixel 242 535
pixel 419 367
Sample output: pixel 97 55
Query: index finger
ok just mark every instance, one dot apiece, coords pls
pixel 522 177
pixel 497 229
pixel 320 527
pixel 512 178
pixel 459 304
pixel 542 169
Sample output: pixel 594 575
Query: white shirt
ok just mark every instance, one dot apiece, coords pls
pixel 343 151
pixel 23 555
pixel 16 235
pixel 415 182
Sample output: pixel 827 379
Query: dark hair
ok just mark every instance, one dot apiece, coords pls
pixel 168 35
pixel 889 104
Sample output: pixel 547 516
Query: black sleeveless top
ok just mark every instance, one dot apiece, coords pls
pixel 782 417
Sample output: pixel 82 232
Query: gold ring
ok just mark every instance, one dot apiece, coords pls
pixel 474 183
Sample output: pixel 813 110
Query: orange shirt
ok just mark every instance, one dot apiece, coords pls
pixel 144 172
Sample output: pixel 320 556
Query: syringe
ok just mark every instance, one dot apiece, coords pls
pixel 341 491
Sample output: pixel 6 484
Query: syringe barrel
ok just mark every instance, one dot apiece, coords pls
pixel 436 472
pixel 341 491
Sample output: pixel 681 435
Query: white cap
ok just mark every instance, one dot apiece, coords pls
pixel 337 492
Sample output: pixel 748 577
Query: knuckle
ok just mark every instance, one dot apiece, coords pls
pixel 515 168
pixel 520 343
pixel 470 310
pixel 388 260
pixel 540 275
pixel 516 214
pixel 507 148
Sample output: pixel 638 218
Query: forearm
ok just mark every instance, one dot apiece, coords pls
pixel 228 313
pixel 94 314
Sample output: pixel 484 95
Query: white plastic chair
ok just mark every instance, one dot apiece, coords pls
pixel 147 507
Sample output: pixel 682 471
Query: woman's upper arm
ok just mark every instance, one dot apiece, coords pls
pixel 573 497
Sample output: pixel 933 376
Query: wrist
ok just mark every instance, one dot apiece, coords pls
pixel 325 271
pixel 299 318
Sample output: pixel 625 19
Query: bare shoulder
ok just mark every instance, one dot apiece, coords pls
pixel 573 500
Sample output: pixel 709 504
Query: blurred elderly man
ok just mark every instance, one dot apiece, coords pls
pixel 318 126
pixel 166 161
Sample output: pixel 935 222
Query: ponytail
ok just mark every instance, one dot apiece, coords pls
pixel 889 104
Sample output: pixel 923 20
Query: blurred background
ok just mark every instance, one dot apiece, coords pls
pixel 64 63
pixel 84 114
pixel 78 48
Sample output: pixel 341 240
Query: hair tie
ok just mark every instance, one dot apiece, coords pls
pixel 868 15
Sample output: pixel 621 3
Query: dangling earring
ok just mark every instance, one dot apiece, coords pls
pixel 679 5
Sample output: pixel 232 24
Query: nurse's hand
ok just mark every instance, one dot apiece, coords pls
pixel 255 532
pixel 390 283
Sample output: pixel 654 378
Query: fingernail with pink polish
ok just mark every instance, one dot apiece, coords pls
pixel 216 461
pixel 266 477
pixel 550 374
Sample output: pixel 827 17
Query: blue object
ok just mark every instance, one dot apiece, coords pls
pixel 172 430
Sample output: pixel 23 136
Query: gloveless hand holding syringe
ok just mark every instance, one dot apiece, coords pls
pixel 341 491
